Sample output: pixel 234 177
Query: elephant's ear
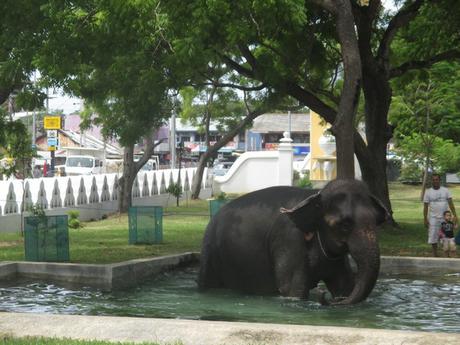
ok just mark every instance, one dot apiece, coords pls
pixel 382 213
pixel 306 214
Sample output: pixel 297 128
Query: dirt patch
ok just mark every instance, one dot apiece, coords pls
pixel 9 244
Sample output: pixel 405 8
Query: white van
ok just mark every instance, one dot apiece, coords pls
pixel 82 165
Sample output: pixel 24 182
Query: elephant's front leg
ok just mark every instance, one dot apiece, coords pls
pixel 341 278
pixel 291 279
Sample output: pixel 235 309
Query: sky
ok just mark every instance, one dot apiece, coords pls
pixel 66 103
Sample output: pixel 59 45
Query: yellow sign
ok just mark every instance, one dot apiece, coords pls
pixel 52 122
pixel 51 148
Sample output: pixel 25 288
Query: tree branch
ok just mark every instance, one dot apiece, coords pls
pixel 235 130
pixel 412 65
pixel 237 67
pixel 149 149
pixel 312 101
pixel 328 5
pixel 401 19
pixel 248 56
pixel 234 86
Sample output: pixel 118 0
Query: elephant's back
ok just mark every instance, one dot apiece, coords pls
pixel 236 244
pixel 272 198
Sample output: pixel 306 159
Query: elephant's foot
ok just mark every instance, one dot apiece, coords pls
pixel 322 296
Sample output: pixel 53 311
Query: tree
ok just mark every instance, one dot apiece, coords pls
pixel 15 147
pixel 425 111
pixel 20 33
pixel 307 50
pixel 112 54
pixel 218 102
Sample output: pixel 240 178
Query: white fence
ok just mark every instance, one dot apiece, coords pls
pixel 92 195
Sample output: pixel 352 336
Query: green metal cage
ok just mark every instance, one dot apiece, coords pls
pixel 215 205
pixel 145 224
pixel 46 238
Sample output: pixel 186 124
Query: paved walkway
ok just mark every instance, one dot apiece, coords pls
pixel 206 332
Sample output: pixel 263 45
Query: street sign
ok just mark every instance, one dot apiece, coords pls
pixel 51 148
pixel 52 122
pixel 52 141
pixel 51 133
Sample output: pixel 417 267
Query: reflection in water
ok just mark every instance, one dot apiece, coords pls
pixel 396 303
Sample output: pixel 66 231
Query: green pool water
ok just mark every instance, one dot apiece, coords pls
pixel 404 303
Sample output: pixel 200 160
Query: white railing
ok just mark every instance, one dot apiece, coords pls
pixel 83 191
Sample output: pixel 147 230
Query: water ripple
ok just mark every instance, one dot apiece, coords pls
pixel 404 303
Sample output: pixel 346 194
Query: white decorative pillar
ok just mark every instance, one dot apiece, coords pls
pixel 285 161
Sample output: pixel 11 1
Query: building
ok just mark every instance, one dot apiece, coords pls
pixel 268 129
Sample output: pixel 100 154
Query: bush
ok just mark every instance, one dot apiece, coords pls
pixel 304 182
pixel 222 196
pixel 411 174
pixel 74 222
pixel 175 189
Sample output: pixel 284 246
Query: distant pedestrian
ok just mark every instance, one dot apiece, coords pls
pixel 37 171
pixel 446 235
pixel 437 200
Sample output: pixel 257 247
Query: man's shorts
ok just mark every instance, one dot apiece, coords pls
pixel 433 233
pixel 448 244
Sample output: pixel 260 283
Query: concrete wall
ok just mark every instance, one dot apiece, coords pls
pixel 93 196
pixel 258 169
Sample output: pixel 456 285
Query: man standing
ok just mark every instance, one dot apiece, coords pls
pixel 437 199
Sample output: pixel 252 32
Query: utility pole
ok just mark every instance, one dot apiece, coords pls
pixel 289 124
pixel 172 139
pixel 52 152
pixel 34 128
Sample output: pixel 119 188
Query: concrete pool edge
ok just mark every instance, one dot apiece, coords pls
pixel 106 277
pixel 133 272
pixel 191 332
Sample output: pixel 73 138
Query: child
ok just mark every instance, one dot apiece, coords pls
pixel 446 235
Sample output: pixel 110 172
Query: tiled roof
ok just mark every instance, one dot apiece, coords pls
pixel 279 122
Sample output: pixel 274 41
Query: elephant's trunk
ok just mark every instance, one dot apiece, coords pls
pixel 365 251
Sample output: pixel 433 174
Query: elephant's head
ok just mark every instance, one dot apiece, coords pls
pixel 344 216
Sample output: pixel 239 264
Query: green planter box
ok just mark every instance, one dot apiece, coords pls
pixel 46 238
pixel 145 224
pixel 215 205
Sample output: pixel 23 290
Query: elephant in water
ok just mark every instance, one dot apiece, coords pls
pixel 284 240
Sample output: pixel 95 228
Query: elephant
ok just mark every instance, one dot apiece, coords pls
pixel 284 240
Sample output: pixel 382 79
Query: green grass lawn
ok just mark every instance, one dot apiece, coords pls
pixel 106 241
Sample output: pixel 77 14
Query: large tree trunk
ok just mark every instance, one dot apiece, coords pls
pixel 378 133
pixel 197 181
pixel 377 95
pixel 343 127
pixel 127 180
pixel 130 170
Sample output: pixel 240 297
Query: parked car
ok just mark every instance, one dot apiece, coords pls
pixel 82 165
pixel 221 168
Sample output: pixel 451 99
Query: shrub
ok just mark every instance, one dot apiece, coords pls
pixel 74 222
pixel 411 173
pixel 222 196
pixel 175 189
pixel 39 212
pixel 304 182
